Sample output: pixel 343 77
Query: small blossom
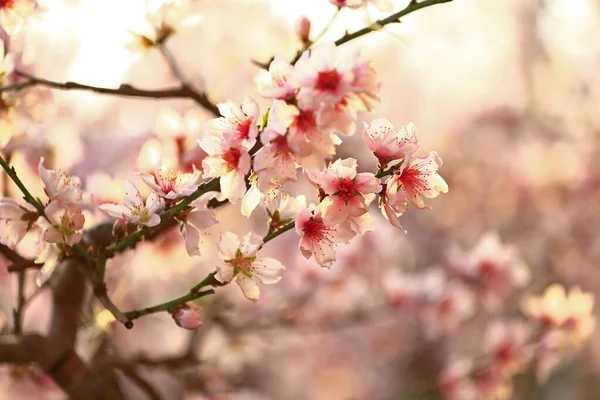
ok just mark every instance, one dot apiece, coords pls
pixel 303 29
pixel 228 161
pixel 388 144
pixel 572 311
pixel 317 240
pixel 14 221
pixel 285 206
pixel 61 187
pixel 134 210
pixel 13 14
pixel 495 269
pixel 187 316
pixel 363 96
pixel 348 190
pixel 241 263
pixel 171 184
pixel 196 221
pixel 507 343
pixel 251 198
pixel 324 76
pixel 67 222
pixel 416 180
pixel 238 123
pixel 277 83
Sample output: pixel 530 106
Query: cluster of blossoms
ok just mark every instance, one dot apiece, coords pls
pixel 557 324
pixel 556 327
pixel 315 104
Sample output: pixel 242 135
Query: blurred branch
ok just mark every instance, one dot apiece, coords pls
pixel 184 91
pixel 375 26
pixel 18 310
pixel 19 263
pixel 140 382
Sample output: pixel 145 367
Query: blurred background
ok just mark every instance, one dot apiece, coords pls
pixel 507 92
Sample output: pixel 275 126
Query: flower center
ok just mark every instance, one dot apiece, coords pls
pixel 346 189
pixel 412 181
pixel 232 158
pixel 243 129
pixel 141 212
pixel 316 229
pixel 306 120
pixel 166 179
pixel 328 80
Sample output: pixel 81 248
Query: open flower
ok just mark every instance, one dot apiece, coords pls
pixel 14 221
pixel 275 163
pixel 417 179
pixel 228 161
pixel 196 221
pixel 13 14
pixel 494 269
pixel 67 222
pixel 507 343
pixel 317 240
pixel 238 123
pixel 388 144
pixel 347 190
pixel 324 76
pixel 172 184
pixel 187 316
pixel 277 83
pixel 133 208
pixel 241 263
pixel 61 187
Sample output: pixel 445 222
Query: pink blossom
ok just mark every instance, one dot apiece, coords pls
pixel 134 209
pixel 241 263
pixel 275 162
pixel 278 82
pixel 67 222
pixel 238 123
pixel 303 29
pixel 495 269
pixel 14 221
pixel 388 144
pixel 317 240
pixel 416 179
pixel 348 191
pixel 187 316
pixel 507 343
pixel 171 184
pixel 61 187
pixel 228 161
pixel 324 77
pixel 196 222
pixel 363 96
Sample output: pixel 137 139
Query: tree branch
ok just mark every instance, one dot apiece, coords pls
pixel 184 91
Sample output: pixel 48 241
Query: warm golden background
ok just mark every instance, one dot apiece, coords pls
pixel 506 91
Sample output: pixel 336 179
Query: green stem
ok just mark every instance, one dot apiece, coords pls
pixel 137 236
pixel 278 232
pixel 10 171
pixel 194 293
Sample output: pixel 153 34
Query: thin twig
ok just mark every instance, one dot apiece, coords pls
pixel 125 90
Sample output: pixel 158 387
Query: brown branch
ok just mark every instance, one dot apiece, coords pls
pixel 185 91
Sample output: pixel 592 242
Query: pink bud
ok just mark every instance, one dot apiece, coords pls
pixel 187 316
pixel 303 29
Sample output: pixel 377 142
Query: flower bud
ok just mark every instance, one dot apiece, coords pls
pixel 303 29
pixel 187 316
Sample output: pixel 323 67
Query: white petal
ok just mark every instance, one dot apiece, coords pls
pixel 192 239
pixel 224 273
pixel 249 287
pixel 250 244
pixel 228 245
